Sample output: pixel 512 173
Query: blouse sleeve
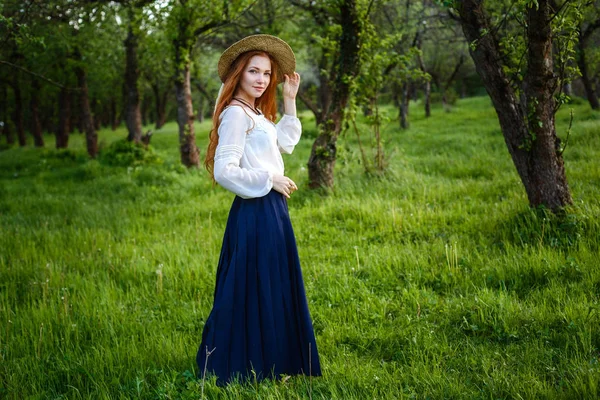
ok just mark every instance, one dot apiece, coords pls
pixel 289 130
pixel 246 183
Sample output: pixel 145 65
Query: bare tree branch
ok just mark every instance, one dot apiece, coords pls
pixel 309 104
pixel 42 77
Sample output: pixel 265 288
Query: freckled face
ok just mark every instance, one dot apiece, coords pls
pixel 256 77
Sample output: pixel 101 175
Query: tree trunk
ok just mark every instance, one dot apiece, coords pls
pixel 34 105
pixel 6 131
pixel 86 113
pixel 568 89
pixel 404 102
pixel 585 76
pixel 47 119
pixel 160 100
pixel 75 122
pixel 133 114
pixel 347 65
pixel 445 105
pixel 144 111
pixel 449 82
pixel 463 88
pixel 535 155
pixel 185 118
pixel 547 180
pixel 97 114
pixel 419 44
pixel 368 109
pixel 18 113
pixel 106 115
pixel 147 114
pixel 64 119
pixel 200 114
pixel 161 107
pixel 428 99
pixel 114 115
pixel 323 154
pixel 325 97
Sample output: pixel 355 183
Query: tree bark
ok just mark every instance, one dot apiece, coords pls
pixel 96 112
pixel 323 154
pixel 325 92
pixel 64 119
pixel 427 99
pixel 404 102
pixel 86 114
pixel 34 105
pixel 207 102
pixel 75 122
pixel 585 76
pixel 133 116
pixel 160 100
pixel 419 43
pixel 114 114
pixel 144 110
pixel 200 114
pixel 322 159
pixel 547 180
pixel 47 119
pixel 185 117
pixel 18 113
pixel 531 140
pixel 6 131
pixel 449 83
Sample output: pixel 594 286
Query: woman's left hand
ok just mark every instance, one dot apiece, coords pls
pixel 291 85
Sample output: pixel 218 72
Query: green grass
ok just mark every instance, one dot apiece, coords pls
pixel 432 281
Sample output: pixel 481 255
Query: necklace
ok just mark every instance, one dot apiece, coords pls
pixel 244 102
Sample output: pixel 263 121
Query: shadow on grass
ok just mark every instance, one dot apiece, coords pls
pixel 541 227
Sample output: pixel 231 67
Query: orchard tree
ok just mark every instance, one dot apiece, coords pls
pixel 343 22
pixel 134 16
pixel 188 20
pixel 14 28
pixel 156 63
pixel 60 68
pixel 206 85
pixel 444 53
pixel 524 78
pixel 409 20
pixel 589 25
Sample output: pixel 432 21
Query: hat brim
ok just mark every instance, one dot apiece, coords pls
pixel 278 49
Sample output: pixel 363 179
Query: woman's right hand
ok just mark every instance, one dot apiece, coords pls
pixel 284 185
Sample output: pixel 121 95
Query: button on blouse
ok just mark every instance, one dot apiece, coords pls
pixel 249 150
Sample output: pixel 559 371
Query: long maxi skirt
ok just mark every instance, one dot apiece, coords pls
pixel 260 326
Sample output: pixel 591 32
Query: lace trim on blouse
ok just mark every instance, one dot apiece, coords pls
pixel 229 152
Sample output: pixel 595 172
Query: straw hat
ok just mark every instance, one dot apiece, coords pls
pixel 277 48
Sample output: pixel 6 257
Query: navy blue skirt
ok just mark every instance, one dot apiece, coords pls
pixel 260 326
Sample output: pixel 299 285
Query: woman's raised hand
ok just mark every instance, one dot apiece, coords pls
pixel 284 185
pixel 291 85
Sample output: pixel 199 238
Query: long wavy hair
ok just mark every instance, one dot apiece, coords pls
pixel 266 102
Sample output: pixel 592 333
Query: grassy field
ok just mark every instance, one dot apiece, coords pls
pixel 434 281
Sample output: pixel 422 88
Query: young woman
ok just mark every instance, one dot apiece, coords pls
pixel 260 325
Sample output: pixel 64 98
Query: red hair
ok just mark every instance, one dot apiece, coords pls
pixel 266 102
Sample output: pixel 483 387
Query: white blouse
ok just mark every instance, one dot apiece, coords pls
pixel 249 150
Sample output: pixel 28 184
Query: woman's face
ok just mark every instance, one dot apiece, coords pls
pixel 256 77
